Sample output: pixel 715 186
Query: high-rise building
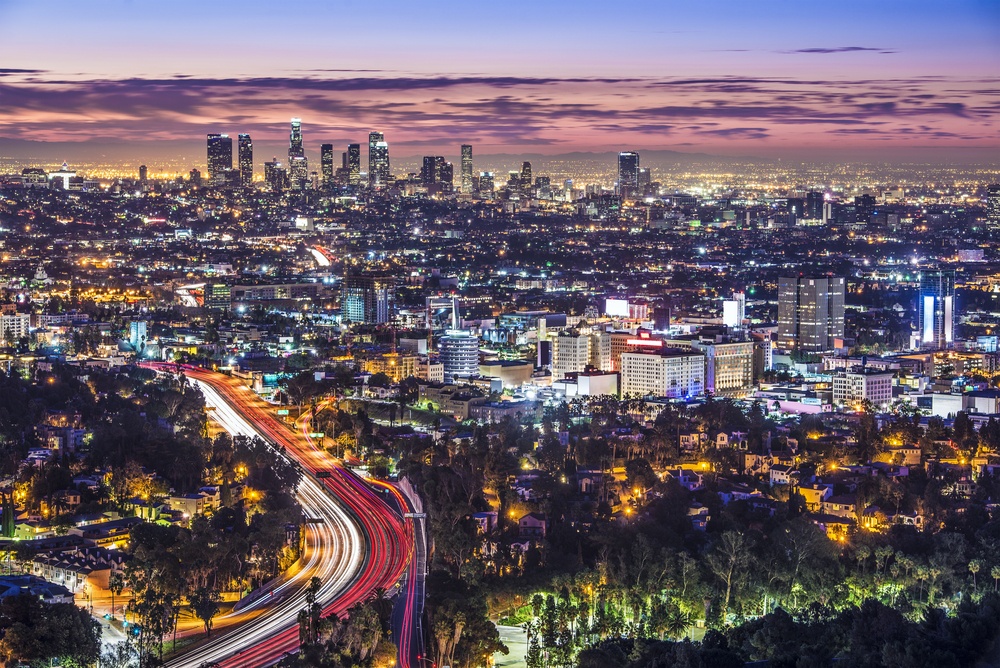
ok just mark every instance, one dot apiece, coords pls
pixel 936 309
pixel 429 171
pixel 298 164
pixel 378 160
pixel 672 373
pixel 734 311
pixel 466 182
pixel 864 207
pixel 275 176
pixel 142 173
pixel 810 313
pixel 459 355
pixel 814 205
pixel 246 160
pixel 487 185
pixel 993 203
pixel 326 164
pixel 525 178
pixel 353 164
pixel 643 180
pixel 368 298
pixel 628 173
pixel 220 156
pixel 570 353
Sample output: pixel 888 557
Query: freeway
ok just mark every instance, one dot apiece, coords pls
pixel 360 545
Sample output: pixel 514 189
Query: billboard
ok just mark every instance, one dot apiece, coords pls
pixel 617 307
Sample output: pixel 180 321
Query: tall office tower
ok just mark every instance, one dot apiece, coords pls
pixel 487 185
pixel 220 156
pixel 446 175
pixel 993 203
pixel 814 205
pixel 246 160
pixel 298 164
pixel 275 176
pixel 466 182
pixel 864 207
pixel 378 160
pixel 936 309
pixel 796 208
pixel 628 173
pixel 810 313
pixel 353 164
pixel 142 173
pixel 368 298
pixel 525 177
pixel 643 180
pixel 326 164
pixel 734 310
pixel 459 355
pixel 429 170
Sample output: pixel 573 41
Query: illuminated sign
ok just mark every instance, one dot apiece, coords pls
pixel 617 307
pixel 651 343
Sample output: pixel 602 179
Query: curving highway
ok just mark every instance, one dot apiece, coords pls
pixel 358 545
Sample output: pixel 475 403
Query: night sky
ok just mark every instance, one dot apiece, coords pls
pixel 726 77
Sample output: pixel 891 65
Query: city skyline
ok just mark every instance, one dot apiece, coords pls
pixel 772 81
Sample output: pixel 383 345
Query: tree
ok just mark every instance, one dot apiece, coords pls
pixel 205 603
pixel 729 561
pixel 116 584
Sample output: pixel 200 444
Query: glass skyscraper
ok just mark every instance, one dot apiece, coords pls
pixel 220 156
pixel 628 173
pixel 936 307
pixel 298 164
pixel 466 183
pixel 378 160
pixel 246 160
pixel 810 313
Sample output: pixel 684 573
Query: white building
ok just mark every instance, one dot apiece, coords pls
pixel 850 388
pixel 14 326
pixel 669 373
pixel 570 353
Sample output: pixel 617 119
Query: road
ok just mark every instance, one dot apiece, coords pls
pixel 360 545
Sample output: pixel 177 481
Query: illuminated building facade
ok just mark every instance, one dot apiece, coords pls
pixel 936 309
pixel 628 173
pixel 353 164
pixel 466 183
pixel 368 299
pixel 246 160
pixel 810 313
pixel 378 160
pixel 326 164
pixel 298 164
pixel 220 156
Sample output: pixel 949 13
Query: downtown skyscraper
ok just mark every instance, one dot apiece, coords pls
pixel 220 156
pixel 936 308
pixel 246 160
pixel 353 164
pixel 326 165
pixel 378 160
pixel 810 313
pixel 466 182
pixel 628 173
pixel 298 164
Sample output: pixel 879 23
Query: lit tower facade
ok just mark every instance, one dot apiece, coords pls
pixel 354 164
pixel 810 312
pixel 628 173
pixel 298 164
pixel 378 160
pixel 936 309
pixel 466 169
pixel 993 203
pixel 220 156
pixel 326 164
pixel 246 160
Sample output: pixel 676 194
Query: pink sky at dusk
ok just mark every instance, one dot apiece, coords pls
pixel 724 77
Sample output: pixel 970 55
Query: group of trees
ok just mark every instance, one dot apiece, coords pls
pixel 650 579
pixel 360 638
pixel 36 633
